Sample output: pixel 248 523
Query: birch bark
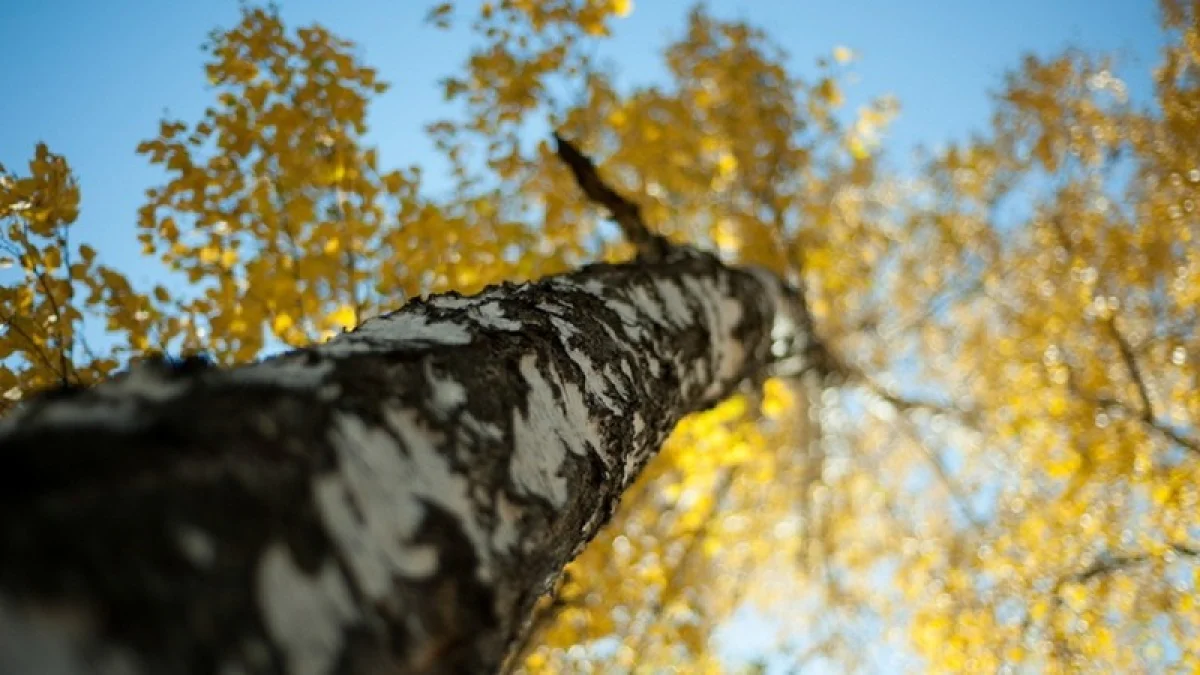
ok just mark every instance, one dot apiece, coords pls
pixel 393 500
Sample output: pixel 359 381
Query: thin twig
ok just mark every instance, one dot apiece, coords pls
pixel 348 255
pixel 1153 423
pixel 542 617
pixel 955 491
pixel 10 322
pixel 1107 564
pixel 1147 414
pixel 1135 371
pixel 627 214
pixel 64 374
pixel 695 538
pixel 967 414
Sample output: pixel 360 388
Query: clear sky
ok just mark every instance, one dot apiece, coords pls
pixel 93 78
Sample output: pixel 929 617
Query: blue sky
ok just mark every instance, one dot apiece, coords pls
pixel 92 79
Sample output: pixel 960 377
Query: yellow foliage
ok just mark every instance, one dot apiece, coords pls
pixel 1027 495
pixel 344 317
pixel 44 311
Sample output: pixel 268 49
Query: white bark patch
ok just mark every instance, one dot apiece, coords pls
pixel 373 477
pixel 284 372
pixel 116 405
pixel 633 331
pixel 305 616
pixel 491 316
pixel 552 428
pixel 785 332
pixel 565 328
pixel 508 514
pixel 447 394
pixel 722 313
pixel 641 296
pixel 676 306
pixel 589 528
pixel 344 346
pixel 614 378
pixel 387 483
pixel 697 374
pixel 592 379
pixel 626 311
pixel 439 483
pixel 481 430
pixel 411 327
pixel 452 302
pixel 596 383
pixel 197 545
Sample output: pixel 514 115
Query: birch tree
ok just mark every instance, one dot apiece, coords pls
pixel 392 500
pixel 997 470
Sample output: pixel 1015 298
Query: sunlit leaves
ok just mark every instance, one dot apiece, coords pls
pixel 274 207
pixel 1077 351
pixel 50 286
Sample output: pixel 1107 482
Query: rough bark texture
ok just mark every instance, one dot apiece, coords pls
pixel 393 500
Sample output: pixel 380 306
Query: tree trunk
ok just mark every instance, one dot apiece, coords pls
pixel 393 500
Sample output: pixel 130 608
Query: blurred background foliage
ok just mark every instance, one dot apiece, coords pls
pixel 1009 480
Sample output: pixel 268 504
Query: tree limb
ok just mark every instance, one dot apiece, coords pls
pixel 626 213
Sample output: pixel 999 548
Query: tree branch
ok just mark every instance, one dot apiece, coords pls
pixel 1154 424
pixel 626 213
pixel 1135 372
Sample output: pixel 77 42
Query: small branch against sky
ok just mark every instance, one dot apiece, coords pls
pixel 625 213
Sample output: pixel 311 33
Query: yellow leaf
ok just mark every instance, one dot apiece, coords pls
pixel 858 149
pixel 828 90
pixel 1039 609
pixel 622 8
pixel 1161 494
pixel 393 181
pixel 842 54
pixel 1076 596
pixel 281 323
pixel 343 316
pixel 53 259
pixel 726 164
pixel 726 236
pixel 777 398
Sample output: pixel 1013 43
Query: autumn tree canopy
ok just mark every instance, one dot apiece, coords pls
pixel 1003 466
